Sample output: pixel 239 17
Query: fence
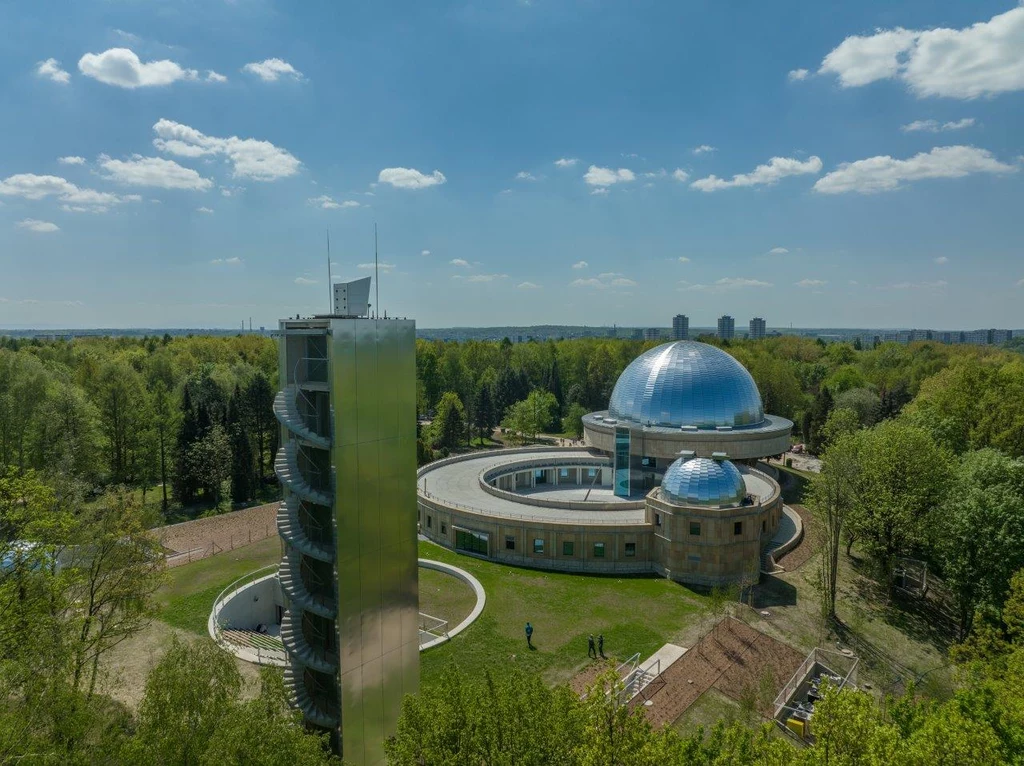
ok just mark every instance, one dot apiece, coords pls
pixel 211 547
pixel 252 651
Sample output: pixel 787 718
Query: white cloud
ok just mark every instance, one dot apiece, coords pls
pixel 522 175
pixel 50 69
pixel 680 175
pixel 212 76
pixel 566 162
pixel 726 284
pixel 604 281
pixel 71 160
pixel 941 260
pixel 659 173
pixel 703 149
pixel 329 203
pixel 883 173
pixel 205 210
pixel 75 199
pixel 483 277
pixel 777 168
pixel 121 67
pixel 424 252
pixel 1020 283
pixel 385 267
pixel 235 261
pixel 461 262
pixel 272 70
pixel 936 285
pixel 251 158
pixel 580 265
pixel 598 176
pixel 811 283
pixel 528 286
pixel 778 251
pixel 983 59
pixel 796 75
pixel 683 259
pixel 40 227
pixel 410 178
pixel 153 171
pixel 305 281
pixel 600 190
pixel 933 126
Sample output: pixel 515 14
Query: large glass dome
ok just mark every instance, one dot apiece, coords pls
pixel 703 482
pixel 686 383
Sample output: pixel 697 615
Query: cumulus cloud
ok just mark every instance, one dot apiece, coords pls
pixel 683 259
pixel 601 177
pixel 703 149
pixel 305 281
pixel 71 160
pixel 40 227
pixel 523 175
pixel 212 76
pixel 796 75
pixel 939 284
pixel 460 262
pixel 153 171
pixel 385 267
pixel 50 69
pixel 726 284
pixel 984 59
pixel 528 286
pixel 424 252
pixel 410 178
pixel 76 199
pixel 941 260
pixel 659 173
pixel 776 169
pixel 778 251
pixel 580 265
pixel 934 126
pixel 680 175
pixel 235 261
pixel 205 210
pixel 121 67
pixel 250 158
pixel 272 70
pixel 883 173
pixel 329 203
pixel 608 280
pixel 806 283
pixel 600 190
pixel 566 162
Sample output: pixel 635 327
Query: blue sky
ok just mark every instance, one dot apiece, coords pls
pixel 179 163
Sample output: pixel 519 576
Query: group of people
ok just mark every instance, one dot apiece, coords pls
pixel 593 649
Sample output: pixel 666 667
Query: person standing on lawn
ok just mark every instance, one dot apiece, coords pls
pixel 591 652
pixel 600 644
pixel 529 635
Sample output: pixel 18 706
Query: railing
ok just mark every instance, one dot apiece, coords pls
pixel 444 504
pixel 431 628
pixel 263 655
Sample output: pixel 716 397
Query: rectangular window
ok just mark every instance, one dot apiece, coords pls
pixel 444 528
pixel 622 439
pixel 538 545
pixel 591 473
pixel 764 525
pixel 737 527
pixel 657 520
pixel 563 472
pixel 510 543
pixel 695 528
pixel 630 549
pixel 429 520
pixel 567 548
pixel 598 550
pixel 471 542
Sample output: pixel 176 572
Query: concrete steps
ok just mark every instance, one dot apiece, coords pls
pixel 321 715
pixel 286 410
pixel 290 528
pixel 295 588
pixel 299 650
pixel 286 466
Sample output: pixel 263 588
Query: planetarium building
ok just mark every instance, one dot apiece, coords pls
pixel 669 482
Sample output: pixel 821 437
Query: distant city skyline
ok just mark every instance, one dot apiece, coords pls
pixel 169 165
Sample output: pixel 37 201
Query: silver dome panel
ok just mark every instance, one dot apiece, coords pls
pixel 703 482
pixel 686 383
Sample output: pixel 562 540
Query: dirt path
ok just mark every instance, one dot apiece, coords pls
pixel 193 540
pixel 807 546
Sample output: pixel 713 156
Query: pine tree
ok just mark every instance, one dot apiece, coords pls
pixel 241 453
pixel 483 411
pixel 185 485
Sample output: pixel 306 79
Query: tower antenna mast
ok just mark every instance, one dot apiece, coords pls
pixel 330 287
pixel 376 273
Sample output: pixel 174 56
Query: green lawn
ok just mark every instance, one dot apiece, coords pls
pixel 445 597
pixel 186 599
pixel 635 614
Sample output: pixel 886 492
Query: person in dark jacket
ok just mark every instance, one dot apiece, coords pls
pixel 591 652
pixel 600 645
pixel 529 635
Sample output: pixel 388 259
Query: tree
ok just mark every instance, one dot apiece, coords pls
pixel 450 422
pixel 123 405
pixel 209 462
pixel 256 411
pixel 839 423
pixel 483 412
pixel 242 483
pixel 164 422
pixel 982 540
pixel 572 423
pixel 532 415
pixel 862 401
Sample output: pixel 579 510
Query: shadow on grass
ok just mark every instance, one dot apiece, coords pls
pixel 772 591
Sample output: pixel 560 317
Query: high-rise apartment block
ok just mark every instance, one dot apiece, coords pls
pixel 652 333
pixel 680 327
pixel 757 327
pixel 347 466
pixel 726 327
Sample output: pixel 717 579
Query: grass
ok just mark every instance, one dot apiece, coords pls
pixel 710 708
pixel 635 614
pixel 445 597
pixel 186 599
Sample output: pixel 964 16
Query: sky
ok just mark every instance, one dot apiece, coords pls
pixel 180 163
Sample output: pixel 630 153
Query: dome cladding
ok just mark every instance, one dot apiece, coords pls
pixel 687 383
pixel 702 481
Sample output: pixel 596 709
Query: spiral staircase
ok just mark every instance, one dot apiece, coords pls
pixel 307 574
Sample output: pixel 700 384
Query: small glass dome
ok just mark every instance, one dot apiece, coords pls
pixel 686 384
pixel 703 482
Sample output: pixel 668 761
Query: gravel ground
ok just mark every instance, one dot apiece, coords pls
pixel 808 546
pixel 203 537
